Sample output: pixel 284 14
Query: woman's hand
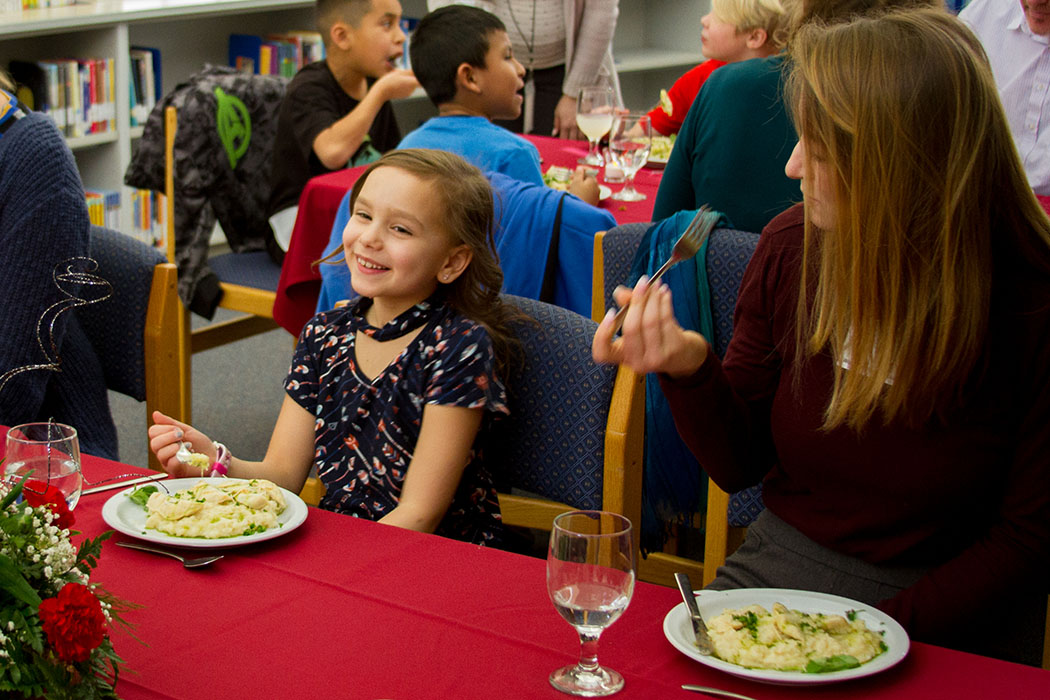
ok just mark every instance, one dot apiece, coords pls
pixel 651 340
pixel 565 119
pixel 167 434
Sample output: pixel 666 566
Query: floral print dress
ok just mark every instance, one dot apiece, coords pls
pixel 366 429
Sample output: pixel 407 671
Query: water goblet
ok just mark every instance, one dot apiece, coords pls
pixel 48 454
pixel 630 141
pixel 594 116
pixel 590 579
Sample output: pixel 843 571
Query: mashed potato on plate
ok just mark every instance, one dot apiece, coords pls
pixel 789 640
pixel 230 508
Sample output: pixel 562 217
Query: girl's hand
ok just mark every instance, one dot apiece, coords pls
pixel 652 340
pixel 167 434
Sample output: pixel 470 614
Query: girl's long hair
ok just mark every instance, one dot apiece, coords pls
pixel 904 109
pixel 466 198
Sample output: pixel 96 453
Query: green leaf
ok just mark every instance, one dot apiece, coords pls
pixel 839 662
pixel 12 581
pixel 141 495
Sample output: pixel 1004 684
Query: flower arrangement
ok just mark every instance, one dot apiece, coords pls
pixel 54 622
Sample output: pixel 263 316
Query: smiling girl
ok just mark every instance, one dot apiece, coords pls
pixel 386 396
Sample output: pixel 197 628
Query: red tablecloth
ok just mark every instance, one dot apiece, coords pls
pixel 300 281
pixel 349 608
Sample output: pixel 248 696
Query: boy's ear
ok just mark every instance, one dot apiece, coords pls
pixel 340 34
pixel 756 38
pixel 467 78
pixel 458 260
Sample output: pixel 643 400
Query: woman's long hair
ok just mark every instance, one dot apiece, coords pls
pixel 904 109
pixel 466 199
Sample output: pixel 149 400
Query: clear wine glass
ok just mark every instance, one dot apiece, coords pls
pixel 49 453
pixel 594 116
pixel 630 141
pixel 590 579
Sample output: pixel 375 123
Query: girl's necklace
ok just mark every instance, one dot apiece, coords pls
pixel 530 84
pixel 405 322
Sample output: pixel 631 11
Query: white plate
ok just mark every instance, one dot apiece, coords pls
pixel 124 515
pixel 656 163
pixel 604 191
pixel 679 631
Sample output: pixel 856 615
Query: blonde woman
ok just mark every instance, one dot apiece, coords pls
pixel 888 380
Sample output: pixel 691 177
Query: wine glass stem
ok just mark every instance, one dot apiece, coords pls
pixel 592 151
pixel 589 652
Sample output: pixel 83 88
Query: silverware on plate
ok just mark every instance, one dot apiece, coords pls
pixel 703 641
pixel 716 692
pixel 188 563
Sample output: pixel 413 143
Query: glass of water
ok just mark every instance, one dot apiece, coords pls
pixel 630 141
pixel 49 453
pixel 590 579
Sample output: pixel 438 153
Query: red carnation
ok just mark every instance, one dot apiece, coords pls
pixel 38 493
pixel 73 622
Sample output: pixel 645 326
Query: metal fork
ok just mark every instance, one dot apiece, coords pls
pixel 687 245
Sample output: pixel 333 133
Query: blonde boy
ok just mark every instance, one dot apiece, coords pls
pixel 337 112
pixel 734 30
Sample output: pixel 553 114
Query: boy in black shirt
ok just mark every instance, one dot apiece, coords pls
pixel 336 112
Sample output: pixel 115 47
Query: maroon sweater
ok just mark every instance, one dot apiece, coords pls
pixel 969 498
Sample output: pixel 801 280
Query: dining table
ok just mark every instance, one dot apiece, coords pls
pixel 347 608
pixel 300 282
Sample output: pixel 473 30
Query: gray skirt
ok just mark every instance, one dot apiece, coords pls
pixel 776 555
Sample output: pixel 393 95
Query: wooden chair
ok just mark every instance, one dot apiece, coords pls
pixel 248 282
pixel 728 254
pixel 573 439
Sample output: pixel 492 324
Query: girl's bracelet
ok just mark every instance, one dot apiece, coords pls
pixel 221 465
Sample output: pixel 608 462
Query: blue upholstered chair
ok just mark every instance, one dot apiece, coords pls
pixel 134 331
pixel 613 254
pixel 728 254
pixel 573 439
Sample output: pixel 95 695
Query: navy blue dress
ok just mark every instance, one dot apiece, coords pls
pixel 366 430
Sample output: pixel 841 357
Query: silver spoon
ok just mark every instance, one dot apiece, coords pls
pixel 188 563
pixel 716 692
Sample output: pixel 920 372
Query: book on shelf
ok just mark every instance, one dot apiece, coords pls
pixel 80 94
pixel 275 54
pixel 103 207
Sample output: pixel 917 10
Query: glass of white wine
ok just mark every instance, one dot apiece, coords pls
pixel 590 579
pixel 48 454
pixel 630 141
pixel 594 116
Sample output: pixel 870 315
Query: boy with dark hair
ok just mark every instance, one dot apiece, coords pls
pixel 463 59
pixel 336 112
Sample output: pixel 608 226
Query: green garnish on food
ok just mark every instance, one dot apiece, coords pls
pixel 851 615
pixel 750 621
pixel 839 662
pixel 142 494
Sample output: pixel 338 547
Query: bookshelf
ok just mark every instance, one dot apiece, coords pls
pixel 655 42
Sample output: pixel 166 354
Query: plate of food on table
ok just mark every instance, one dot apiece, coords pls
pixel 205 512
pixel 790 637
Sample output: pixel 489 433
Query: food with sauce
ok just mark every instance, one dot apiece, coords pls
pixel 216 509
pixel 790 640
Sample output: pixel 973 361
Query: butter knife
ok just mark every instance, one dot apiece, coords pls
pixel 703 641
pixel 121 484
pixel 716 692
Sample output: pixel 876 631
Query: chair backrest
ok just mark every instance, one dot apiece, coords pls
pixel 613 255
pixel 573 439
pixel 116 326
pixel 135 332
